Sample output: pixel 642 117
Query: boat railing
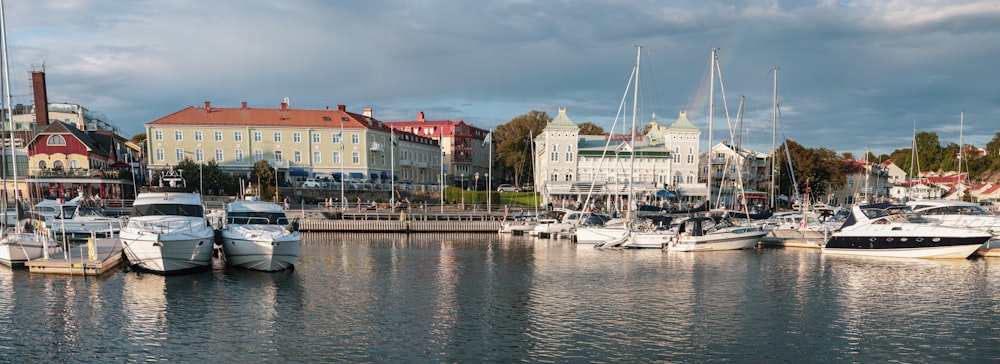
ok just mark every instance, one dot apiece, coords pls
pixel 250 220
pixel 161 227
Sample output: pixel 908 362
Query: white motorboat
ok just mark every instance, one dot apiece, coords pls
pixel 709 233
pixel 876 232
pixel 167 231
pixel 561 223
pixel 257 235
pixel 797 229
pixel 962 214
pixel 77 221
pixel 19 246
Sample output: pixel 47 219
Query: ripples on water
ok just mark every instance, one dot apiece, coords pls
pixel 461 298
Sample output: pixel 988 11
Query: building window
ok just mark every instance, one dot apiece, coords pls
pixel 238 136
pixel 158 135
pixel 554 177
pixel 298 156
pixel 277 137
pixel 690 179
pixel 178 135
pixel 258 155
pixel 159 154
pixel 690 159
pixel 316 138
pixel 355 157
pixel 355 139
pixel 569 153
pixel 336 157
pixel 179 154
pixel 317 158
pixel 297 137
pixel 218 136
pixel 218 155
pixel 198 136
pixel 238 155
pixel 57 165
pixel 338 138
pixel 257 137
pixel 569 177
pixel 555 153
pixel 277 156
pixel 199 155
pixel 42 165
pixel 56 140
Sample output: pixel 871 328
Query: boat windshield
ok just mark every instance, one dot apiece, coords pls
pixel 956 210
pixel 258 218
pixel 167 210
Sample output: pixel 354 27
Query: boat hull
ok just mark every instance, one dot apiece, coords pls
pixel 724 241
pixel 19 248
pixel 597 235
pixel 155 253
pixel 905 247
pixel 265 254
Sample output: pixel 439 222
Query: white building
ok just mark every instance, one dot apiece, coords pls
pixel 569 166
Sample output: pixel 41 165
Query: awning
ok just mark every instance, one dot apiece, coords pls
pixel 693 191
pixel 665 193
pixel 298 172
pixel 356 175
pixel 374 176
pixel 383 175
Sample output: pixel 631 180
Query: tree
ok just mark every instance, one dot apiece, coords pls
pixel 263 176
pixel 513 148
pixel 589 128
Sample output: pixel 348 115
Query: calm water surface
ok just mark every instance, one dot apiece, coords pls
pixel 483 298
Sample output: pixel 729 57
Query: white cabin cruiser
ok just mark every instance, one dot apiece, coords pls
pixel 874 231
pixel 257 235
pixel 167 231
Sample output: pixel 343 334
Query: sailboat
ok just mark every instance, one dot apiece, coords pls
pixel 18 243
pixel 613 235
pixel 711 233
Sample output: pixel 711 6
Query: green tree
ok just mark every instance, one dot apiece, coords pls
pixel 513 148
pixel 263 175
pixel 589 128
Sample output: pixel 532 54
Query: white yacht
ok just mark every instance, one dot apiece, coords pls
pixel 167 231
pixel 875 232
pixel 962 214
pixel 17 246
pixel 257 235
pixel 708 233
pixel 77 221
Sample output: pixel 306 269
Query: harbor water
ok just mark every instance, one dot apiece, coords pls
pixel 487 298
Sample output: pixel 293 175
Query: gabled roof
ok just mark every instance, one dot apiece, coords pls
pixel 280 117
pixel 100 145
pixel 562 121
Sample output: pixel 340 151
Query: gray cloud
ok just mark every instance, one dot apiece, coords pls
pixel 852 74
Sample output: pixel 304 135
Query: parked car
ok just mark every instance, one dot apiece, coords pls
pixel 311 183
pixel 506 187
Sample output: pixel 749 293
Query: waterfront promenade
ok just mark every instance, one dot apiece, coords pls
pixel 450 218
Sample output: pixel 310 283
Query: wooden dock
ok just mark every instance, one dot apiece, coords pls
pixel 399 226
pixel 97 258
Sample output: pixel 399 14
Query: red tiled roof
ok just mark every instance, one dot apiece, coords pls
pixel 269 117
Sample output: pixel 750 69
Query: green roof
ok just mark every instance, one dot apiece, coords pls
pixel 682 122
pixel 562 121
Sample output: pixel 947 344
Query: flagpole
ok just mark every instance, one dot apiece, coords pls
pixel 343 178
pixel 392 168
pixel 489 175
pixel 441 164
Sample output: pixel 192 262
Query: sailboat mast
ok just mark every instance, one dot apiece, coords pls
pixel 961 143
pixel 711 116
pixel 8 111
pixel 635 113
pixel 774 137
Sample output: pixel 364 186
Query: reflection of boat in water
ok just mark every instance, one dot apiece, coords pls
pixel 257 235
pixel 875 232
pixel 167 231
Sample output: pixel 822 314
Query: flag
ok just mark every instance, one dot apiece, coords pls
pixel 392 137
pixel 488 139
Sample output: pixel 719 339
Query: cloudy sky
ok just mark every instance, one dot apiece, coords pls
pixel 851 74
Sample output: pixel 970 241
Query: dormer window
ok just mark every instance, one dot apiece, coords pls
pixel 56 140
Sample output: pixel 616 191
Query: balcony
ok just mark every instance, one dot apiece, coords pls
pixel 80 173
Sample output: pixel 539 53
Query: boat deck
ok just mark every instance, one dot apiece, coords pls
pixel 97 258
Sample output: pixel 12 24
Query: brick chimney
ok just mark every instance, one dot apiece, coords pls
pixel 368 112
pixel 284 106
pixel 41 99
pixel 420 116
pixel 341 107
pixel 208 106
pixel 244 105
